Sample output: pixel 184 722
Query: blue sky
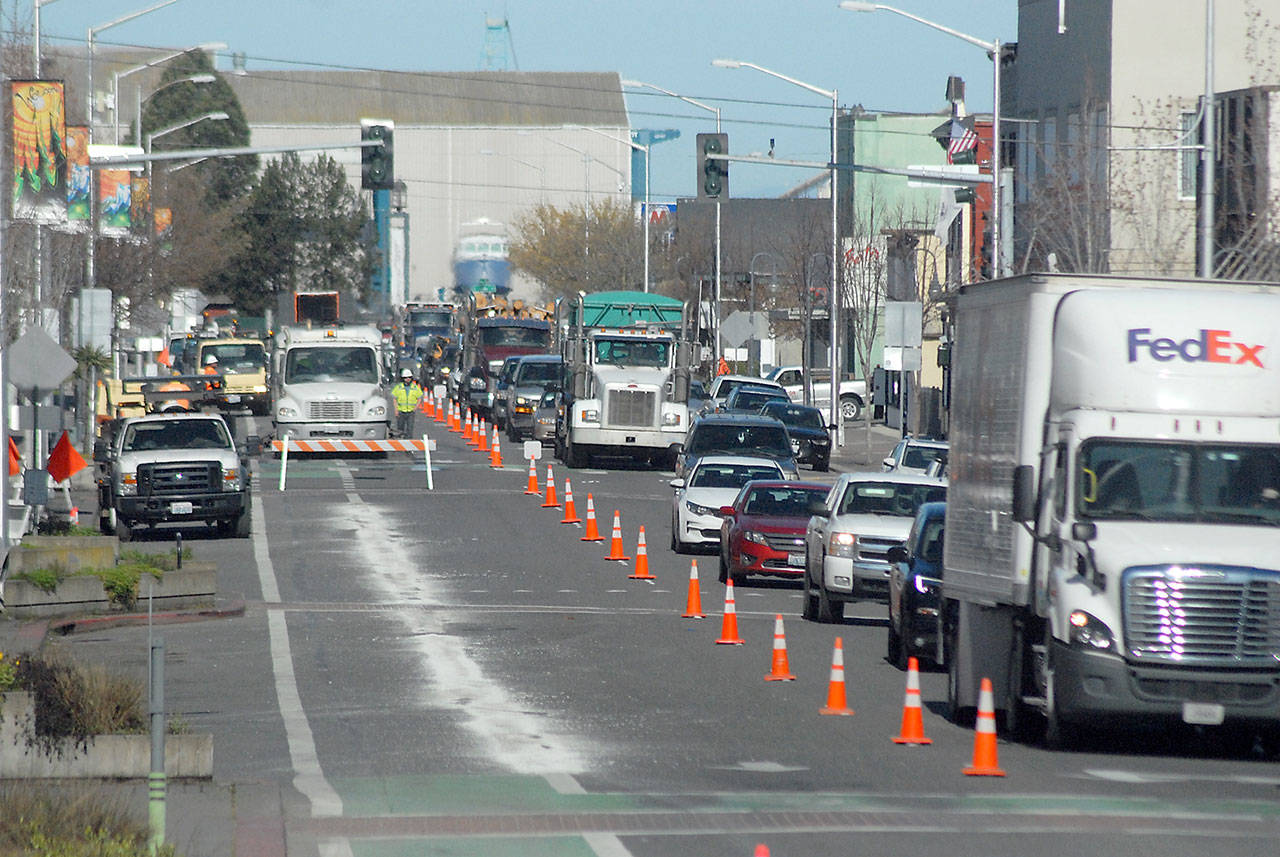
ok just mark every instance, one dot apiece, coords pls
pixel 880 60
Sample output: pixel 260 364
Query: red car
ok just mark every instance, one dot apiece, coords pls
pixel 763 531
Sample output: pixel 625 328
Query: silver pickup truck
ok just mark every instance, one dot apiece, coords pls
pixel 171 468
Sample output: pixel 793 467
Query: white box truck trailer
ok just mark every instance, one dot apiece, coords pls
pixel 329 382
pixel 1113 519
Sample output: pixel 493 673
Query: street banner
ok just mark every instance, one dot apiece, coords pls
pixel 140 204
pixel 164 229
pixel 78 177
pixel 114 202
pixel 39 151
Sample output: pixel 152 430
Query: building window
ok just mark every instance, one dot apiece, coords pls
pixel 1050 154
pixel 1188 154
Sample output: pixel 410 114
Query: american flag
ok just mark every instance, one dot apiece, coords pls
pixel 963 138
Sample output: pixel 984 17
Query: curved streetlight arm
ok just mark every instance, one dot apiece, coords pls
pixel 197 78
pixel 852 6
pixel 817 90
pixel 93 31
pixel 684 98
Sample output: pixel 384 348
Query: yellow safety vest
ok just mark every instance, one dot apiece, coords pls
pixel 407 396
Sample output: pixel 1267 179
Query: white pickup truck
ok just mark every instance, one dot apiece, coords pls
pixel 853 393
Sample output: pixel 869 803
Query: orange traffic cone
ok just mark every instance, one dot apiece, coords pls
pixel 495 456
pixel 912 731
pixel 836 703
pixel 593 532
pixel 424 404
pixel 533 479
pixel 642 561
pixel 615 540
pixel 440 412
pixel 570 513
pixel 762 850
pixel 729 627
pixel 693 606
pixel 984 736
pixel 467 434
pixel 781 670
pixel 454 426
pixel 482 440
pixel 551 502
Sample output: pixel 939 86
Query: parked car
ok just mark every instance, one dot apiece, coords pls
pixel 502 392
pixel 915 455
pixel 852 392
pixel 545 415
pixel 848 539
pixel 533 375
pixel 915 596
pixel 749 399
pixel 810 441
pixel 723 385
pixel 737 434
pixel 763 529
pixel 712 483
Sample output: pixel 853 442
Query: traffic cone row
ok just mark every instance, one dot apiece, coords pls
pixel 533 478
pixel 729 627
pixel 642 561
pixel 551 502
pixel 483 440
pixel 495 455
pixel 570 513
pixel 593 531
pixel 616 553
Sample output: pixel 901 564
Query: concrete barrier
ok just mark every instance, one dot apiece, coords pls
pixel 194 585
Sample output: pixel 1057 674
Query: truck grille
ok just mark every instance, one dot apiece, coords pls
pixel 1211 615
pixel 328 410
pixel 183 477
pixel 876 549
pixel 632 408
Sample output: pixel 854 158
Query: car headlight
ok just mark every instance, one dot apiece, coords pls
pixel 842 545
pixel 695 509
pixel 753 536
pixel 671 418
pixel 231 479
pixel 259 388
pixel 286 411
pixel 546 421
pixel 795 446
pixel 477 384
pixel 1089 631
pixel 377 410
pixel 128 484
pixel 591 415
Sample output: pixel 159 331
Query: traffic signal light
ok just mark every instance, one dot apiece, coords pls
pixel 377 169
pixel 713 175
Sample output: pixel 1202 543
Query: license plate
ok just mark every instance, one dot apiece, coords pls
pixel 180 508
pixel 234 399
pixel 796 559
pixel 1203 713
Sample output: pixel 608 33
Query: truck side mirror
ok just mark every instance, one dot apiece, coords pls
pixel 898 553
pixel 101 450
pixel 1084 531
pixel 1024 493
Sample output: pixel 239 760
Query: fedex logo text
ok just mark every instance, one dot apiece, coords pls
pixel 1211 346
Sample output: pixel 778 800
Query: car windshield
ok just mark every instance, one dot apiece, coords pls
pixel 1179 482
pixel 632 352
pixel 236 358
pixel 899 499
pixel 731 475
pixel 747 399
pixel 539 373
pixel 767 439
pixel 795 415
pixel 919 457
pixel 176 434
pixel 356 363
pixel 780 501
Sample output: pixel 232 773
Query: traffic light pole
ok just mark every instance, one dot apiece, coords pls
pixel 382 227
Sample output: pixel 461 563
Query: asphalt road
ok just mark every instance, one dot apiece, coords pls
pixel 454 672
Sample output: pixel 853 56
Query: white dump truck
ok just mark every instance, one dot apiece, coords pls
pixel 328 382
pixel 1112 547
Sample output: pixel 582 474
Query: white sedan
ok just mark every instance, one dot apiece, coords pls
pixel 713 482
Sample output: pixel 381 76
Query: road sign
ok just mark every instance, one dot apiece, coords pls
pixel 739 327
pixel 36 361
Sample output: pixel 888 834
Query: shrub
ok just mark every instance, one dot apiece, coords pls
pixel 74 703
pixel 8 673
pixel 69 822
pixel 121 581
pixel 44 579
pixel 167 561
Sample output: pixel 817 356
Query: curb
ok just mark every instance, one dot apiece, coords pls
pixel 235 607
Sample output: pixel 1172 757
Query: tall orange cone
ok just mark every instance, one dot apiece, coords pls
pixel 836 703
pixel 454 425
pixel 495 456
pixel 762 850
pixel 780 670
pixel 570 512
pixel 440 411
pixel 482 440
pixel 533 478
pixel 729 627
pixel 615 540
pixel 593 532
pixel 984 736
pixel 642 561
pixel 912 731
pixel 424 404
pixel 693 606
pixel 551 502
pixel 467 434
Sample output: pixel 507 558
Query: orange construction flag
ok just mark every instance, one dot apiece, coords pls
pixel 164 358
pixel 15 459
pixel 64 461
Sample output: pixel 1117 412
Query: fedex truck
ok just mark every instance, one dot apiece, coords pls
pixel 1112 547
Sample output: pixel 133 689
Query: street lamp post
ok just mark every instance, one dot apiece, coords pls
pixel 212 116
pixel 834 310
pixel 116 76
pixel 993 49
pixel 639 148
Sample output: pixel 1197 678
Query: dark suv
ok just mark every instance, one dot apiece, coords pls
pixel 737 434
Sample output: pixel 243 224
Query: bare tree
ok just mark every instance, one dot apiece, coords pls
pixel 594 247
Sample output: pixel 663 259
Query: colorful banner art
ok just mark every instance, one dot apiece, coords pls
pixel 164 229
pixel 78 177
pixel 114 202
pixel 39 151
pixel 140 204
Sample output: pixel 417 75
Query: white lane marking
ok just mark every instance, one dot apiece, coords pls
pixel 606 845
pixel 525 742
pixel 1118 776
pixel 564 784
pixel 308 777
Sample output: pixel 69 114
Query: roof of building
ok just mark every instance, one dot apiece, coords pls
pixel 284 97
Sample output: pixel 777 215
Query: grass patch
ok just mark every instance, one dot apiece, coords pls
pixel 44 579
pixel 121 582
pixel 72 821
pixel 167 561
pixel 75 702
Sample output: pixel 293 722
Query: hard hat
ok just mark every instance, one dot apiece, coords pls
pixel 212 358
pixel 405 373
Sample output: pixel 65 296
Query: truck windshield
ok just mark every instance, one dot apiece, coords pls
pixel 1179 482
pixel 900 499
pixel 632 352
pixel 355 363
pixel 236 358
pixel 433 318
pixel 515 336
pixel 176 434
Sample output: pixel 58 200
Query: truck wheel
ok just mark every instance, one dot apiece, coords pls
pixel 107 520
pixel 850 408
pixel 957 714
pixel 573 457
pixel 724 569
pixel 1059 733
pixel 244 525
pixel 829 610
pixel 809 605
pixel 894 652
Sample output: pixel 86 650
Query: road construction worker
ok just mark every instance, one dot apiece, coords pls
pixel 173 405
pixel 407 395
pixel 211 365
